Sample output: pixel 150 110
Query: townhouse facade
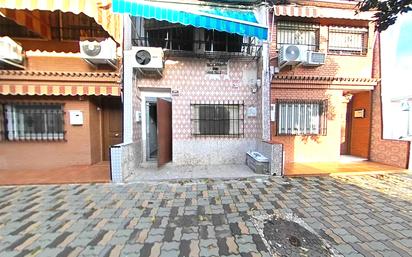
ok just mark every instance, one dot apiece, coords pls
pixel 202 104
pixel 325 93
pixel 200 83
pixel 59 84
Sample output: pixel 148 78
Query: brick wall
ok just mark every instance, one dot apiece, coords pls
pixel 391 152
pixel 76 150
pixel 335 65
pixel 312 148
pixel 57 56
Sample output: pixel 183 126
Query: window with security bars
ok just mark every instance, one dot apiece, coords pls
pixel 70 26
pixel 31 122
pixel 348 40
pixel 297 33
pixel 223 119
pixel 297 117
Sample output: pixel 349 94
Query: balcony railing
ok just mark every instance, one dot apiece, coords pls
pixel 200 48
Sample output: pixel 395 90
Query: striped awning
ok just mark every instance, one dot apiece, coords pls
pixel 242 22
pixel 58 90
pixel 320 12
pixel 34 21
pixel 95 9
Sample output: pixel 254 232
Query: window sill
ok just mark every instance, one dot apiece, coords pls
pixel 347 54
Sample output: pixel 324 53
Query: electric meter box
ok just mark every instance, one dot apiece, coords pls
pixel 76 117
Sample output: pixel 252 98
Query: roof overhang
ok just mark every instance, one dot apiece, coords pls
pixel 59 83
pixel 321 12
pixel 232 20
pixel 30 17
pixel 308 82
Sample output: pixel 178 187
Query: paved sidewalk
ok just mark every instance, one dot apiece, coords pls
pixel 358 217
pixel 173 172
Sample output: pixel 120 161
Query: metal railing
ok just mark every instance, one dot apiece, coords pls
pixel 298 33
pixel 181 47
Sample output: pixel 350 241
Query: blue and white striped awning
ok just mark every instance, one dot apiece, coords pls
pixel 242 22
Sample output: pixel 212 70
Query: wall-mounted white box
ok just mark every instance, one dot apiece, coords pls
pixel 76 117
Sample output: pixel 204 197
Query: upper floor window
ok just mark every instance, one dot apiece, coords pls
pixel 10 28
pixel 188 40
pixel 178 38
pixel 348 40
pixel 222 41
pixel 70 26
pixel 298 33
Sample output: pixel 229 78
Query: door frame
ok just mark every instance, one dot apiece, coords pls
pixel 147 96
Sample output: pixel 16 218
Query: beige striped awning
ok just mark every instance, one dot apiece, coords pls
pixel 99 10
pixel 320 12
pixel 58 90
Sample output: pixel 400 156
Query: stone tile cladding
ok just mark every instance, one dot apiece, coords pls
pixel 188 76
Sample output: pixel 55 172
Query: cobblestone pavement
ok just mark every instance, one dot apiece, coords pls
pixel 206 218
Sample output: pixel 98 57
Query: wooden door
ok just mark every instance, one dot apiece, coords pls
pixel 112 126
pixel 164 131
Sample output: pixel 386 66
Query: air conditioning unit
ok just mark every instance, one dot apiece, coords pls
pixel 148 58
pixel 10 51
pixel 96 53
pixel 315 58
pixel 292 55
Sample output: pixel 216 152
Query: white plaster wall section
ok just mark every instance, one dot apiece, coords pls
pixel 128 96
pixel 210 151
pixel 144 95
pixel 262 14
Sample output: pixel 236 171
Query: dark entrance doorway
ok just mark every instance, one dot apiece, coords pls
pixel 158 130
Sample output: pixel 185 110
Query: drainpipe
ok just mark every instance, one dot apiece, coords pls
pixel 127 82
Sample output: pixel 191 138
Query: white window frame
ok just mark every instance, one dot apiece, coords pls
pixel 300 118
pixel 347 39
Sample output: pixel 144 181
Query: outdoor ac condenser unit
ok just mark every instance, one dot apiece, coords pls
pixel 148 58
pixel 291 55
pixel 315 58
pixel 95 52
pixel 10 51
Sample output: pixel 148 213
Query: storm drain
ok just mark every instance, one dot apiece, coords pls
pixel 286 235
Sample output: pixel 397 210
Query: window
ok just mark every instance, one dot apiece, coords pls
pixel 348 40
pixel 217 119
pixel 70 26
pixel 179 38
pixel 298 33
pixel 12 29
pixel 296 117
pixel 217 41
pixel 32 122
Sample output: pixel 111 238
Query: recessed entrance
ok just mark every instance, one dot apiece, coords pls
pixel 157 127
pixel 356 124
pixel 151 128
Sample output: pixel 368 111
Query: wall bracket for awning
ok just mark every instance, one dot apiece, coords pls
pixel 239 21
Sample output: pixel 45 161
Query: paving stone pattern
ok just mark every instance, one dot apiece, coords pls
pixel 203 218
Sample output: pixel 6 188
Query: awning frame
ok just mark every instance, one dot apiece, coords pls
pixel 190 15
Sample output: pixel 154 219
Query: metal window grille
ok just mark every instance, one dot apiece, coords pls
pixel 31 121
pixel 348 40
pixel 70 26
pixel 301 117
pixel 217 119
pixel 298 33
pixel 183 40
